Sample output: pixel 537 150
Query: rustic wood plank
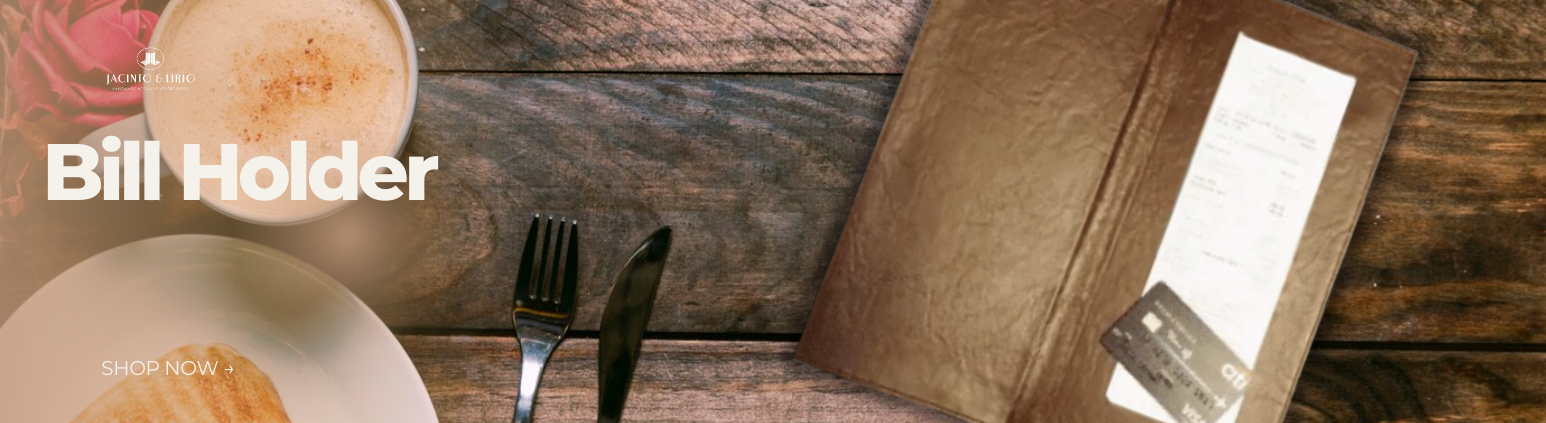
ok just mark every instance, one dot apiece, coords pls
pixel 1493 39
pixel 1421 386
pixel 1503 39
pixel 472 379
pixel 1451 246
pixel 758 172
pixel 825 36
pixel 755 173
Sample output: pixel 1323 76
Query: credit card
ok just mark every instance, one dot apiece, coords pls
pixel 1177 358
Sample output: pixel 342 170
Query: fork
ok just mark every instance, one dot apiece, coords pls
pixel 543 308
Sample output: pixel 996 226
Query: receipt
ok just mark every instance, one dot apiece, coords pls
pixel 1247 194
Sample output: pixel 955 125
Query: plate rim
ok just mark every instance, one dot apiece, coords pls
pixel 354 304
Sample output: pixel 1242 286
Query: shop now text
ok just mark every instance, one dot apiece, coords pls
pixel 168 368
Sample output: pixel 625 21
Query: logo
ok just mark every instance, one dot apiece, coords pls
pixel 150 58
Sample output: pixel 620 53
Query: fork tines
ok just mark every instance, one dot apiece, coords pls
pixel 547 282
pixel 544 301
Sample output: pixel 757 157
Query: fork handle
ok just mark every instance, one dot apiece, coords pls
pixel 534 358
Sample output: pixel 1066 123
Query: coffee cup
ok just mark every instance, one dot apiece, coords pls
pixel 226 72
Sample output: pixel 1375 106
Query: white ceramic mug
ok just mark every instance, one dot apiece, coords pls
pixel 136 128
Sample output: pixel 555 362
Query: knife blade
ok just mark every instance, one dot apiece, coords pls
pixel 623 322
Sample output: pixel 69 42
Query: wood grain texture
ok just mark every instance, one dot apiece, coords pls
pixel 758 172
pixel 1488 39
pixel 755 174
pixel 818 36
pixel 1421 386
pixel 1494 39
pixel 1450 244
pixel 472 379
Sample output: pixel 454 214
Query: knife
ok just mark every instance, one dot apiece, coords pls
pixel 623 322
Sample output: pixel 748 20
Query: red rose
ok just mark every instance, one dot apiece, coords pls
pixel 66 52
pixel 61 52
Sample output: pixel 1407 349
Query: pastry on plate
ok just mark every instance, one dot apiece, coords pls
pixel 244 394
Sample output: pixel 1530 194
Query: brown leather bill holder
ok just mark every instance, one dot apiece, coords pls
pixel 1022 184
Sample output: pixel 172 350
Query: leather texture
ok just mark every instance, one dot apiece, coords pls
pixel 1017 196
pixel 974 200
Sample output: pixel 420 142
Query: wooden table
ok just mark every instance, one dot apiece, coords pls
pixel 747 125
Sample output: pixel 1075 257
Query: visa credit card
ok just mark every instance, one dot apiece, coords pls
pixel 1177 358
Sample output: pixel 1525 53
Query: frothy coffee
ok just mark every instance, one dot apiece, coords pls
pixel 269 72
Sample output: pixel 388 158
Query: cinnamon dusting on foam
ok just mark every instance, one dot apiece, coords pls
pixel 271 72
pixel 288 79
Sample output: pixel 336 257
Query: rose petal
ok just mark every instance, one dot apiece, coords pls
pixel 83 61
pixel 65 7
pixel 57 59
pixel 50 6
pixel 105 41
pixel 29 85
pixel 64 95
pixel 141 23
pixel 80 8
pixel 35 12
pixel 26 78
pixel 37 111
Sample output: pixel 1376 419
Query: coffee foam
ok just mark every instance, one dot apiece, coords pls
pixel 268 72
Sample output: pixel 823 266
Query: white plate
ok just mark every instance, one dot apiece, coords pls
pixel 330 358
